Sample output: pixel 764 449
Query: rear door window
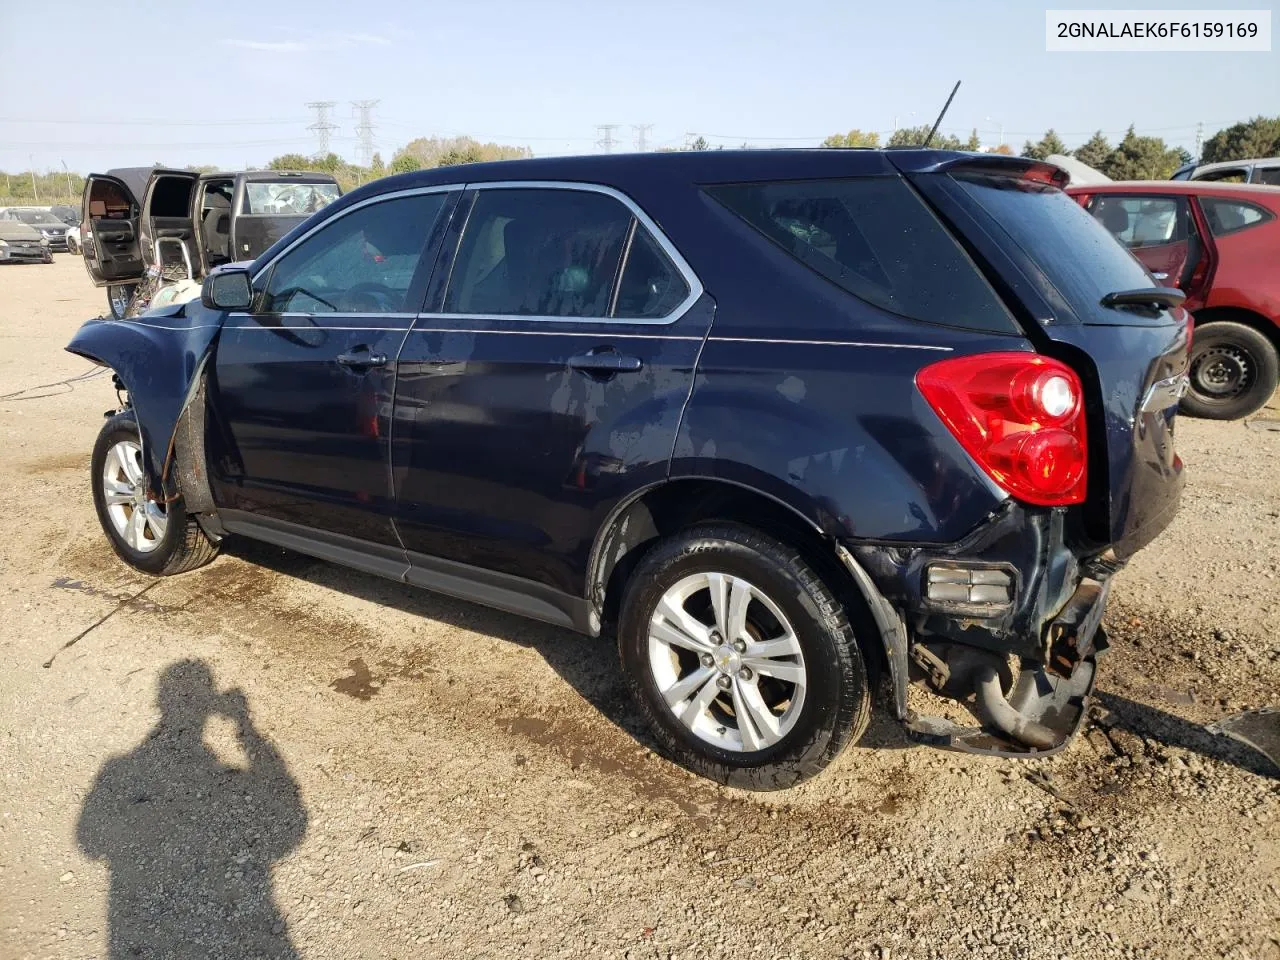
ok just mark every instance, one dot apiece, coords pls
pixel 876 239
pixel 540 253
pixel 1231 216
pixel 1269 176
pixel 1141 221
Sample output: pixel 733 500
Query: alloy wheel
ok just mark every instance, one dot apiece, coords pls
pixel 727 662
pixel 139 521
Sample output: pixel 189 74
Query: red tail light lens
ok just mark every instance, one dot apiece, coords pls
pixel 1020 416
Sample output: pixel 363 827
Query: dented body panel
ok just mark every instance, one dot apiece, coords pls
pixel 156 356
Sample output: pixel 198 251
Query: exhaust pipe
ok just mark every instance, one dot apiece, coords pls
pixel 996 711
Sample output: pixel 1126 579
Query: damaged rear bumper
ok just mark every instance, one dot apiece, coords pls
pixel 1011 600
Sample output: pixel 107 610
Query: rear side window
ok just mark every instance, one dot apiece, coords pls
pixel 1141 221
pixel 1230 216
pixel 1076 253
pixel 876 239
pixel 651 286
pixel 544 253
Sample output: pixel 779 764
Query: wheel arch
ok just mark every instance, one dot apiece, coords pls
pixel 662 509
pixel 1242 315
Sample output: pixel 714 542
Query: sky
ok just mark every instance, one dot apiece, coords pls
pixel 226 83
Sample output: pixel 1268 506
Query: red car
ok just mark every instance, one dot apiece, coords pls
pixel 1220 244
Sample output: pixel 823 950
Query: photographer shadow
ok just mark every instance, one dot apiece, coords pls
pixel 188 839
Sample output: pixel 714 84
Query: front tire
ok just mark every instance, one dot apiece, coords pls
pixel 119 296
pixel 1233 371
pixel 741 659
pixel 159 539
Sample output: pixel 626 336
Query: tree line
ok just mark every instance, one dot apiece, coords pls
pixel 1133 158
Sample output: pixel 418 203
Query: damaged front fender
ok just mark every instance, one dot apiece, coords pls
pixel 158 357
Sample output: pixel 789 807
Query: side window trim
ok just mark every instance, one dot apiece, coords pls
pixel 267 269
pixel 639 219
pixel 380 198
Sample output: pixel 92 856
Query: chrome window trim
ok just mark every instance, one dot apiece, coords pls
pixel 550 333
pixel 380 198
pixel 677 260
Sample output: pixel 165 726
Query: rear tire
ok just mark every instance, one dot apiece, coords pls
pixel 155 539
pixel 788 624
pixel 1233 371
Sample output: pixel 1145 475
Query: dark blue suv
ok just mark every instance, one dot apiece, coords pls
pixel 791 425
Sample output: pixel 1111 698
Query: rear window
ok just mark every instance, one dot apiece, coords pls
pixel 874 238
pixel 1077 254
pixel 287 199
pixel 1230 216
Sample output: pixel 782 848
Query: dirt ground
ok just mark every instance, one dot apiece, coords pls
pixel 402 775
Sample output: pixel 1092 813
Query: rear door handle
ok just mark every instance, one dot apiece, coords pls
pixel 362 358
pixel 605 361
pixel 1161 276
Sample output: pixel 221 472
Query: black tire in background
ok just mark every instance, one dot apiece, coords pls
pixel 118 297
pixel 184 545
pixel 1233 371
pixel 837 699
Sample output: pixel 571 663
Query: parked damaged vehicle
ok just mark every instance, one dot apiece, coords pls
pixel 147 228
pixel 1218 243
pixel 20 243
pixel 42 221
pixel 786 424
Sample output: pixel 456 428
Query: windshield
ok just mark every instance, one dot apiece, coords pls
pixel 36 216
pixel 287 199
pixel 1077 254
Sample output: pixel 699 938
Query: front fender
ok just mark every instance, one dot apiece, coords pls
pixel 157 357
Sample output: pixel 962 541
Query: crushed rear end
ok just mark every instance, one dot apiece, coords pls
pixel 1010 617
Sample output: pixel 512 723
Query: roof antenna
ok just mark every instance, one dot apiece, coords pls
pixel 945 107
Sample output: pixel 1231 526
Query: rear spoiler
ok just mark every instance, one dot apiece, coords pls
pixel 992 164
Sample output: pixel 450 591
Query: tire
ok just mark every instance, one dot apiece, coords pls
pixel 118 297
pixel 810 726
pixel 71 246
pixel 1233 371
pixel 169 541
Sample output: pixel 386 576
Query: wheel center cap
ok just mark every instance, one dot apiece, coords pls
pixel 727 659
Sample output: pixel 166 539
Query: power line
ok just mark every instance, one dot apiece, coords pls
pixel 606 136
pixel 642 130
pixel 323 126
pixel 364 131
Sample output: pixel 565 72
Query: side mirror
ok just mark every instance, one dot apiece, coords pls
pixel 227 290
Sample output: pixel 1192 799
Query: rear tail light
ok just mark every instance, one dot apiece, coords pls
pixel 1020 416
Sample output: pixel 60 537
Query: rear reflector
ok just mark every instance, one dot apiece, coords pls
pixel 1020 416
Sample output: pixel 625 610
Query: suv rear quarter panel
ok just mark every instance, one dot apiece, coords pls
pixel 807 394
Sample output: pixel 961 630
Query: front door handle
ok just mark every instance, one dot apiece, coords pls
pixel 605 361
pixel 361 357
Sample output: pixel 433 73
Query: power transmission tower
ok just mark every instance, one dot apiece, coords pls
pixel 1199 138
pixel 323 125
pixel 364 131
pixel 606 136
pixel 642 131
